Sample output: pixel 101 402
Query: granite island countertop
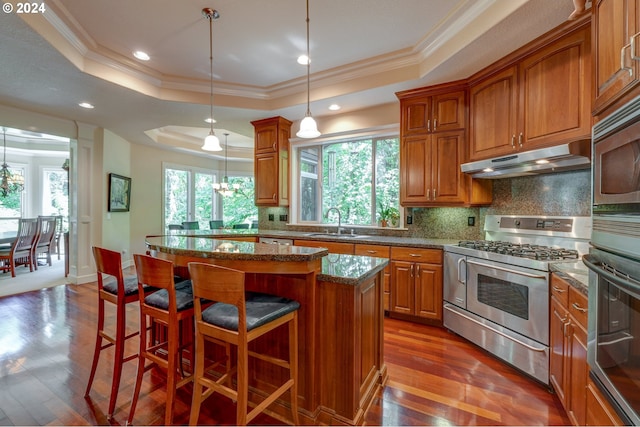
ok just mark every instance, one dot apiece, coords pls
pixel 336 268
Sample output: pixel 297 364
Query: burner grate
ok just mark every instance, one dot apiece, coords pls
pixel 521 250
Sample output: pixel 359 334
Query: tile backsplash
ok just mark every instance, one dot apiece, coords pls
pixel 555 194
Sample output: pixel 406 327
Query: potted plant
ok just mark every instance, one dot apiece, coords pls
pixel 394 216
pixel 383 213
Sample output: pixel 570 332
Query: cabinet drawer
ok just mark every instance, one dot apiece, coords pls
pixel 431 256
pixel 560 290
pixel 374 251
pixel 578 305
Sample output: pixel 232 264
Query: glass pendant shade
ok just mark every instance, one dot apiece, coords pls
pixel 308 128
pixel 211 143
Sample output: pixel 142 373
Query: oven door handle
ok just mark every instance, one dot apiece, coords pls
pixel 533 276
pixel 621 280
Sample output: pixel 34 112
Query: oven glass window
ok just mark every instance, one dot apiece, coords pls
pixel 618 348
pixel 508 297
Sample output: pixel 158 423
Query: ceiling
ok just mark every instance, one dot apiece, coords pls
pixel 362 52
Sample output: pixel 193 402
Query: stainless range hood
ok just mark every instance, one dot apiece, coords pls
pixel 559 158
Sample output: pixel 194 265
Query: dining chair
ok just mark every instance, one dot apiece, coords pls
pixel 175 227
pixel 216 224
pixel 169 304
pixel 47 226
pixel 241 225
pixel 115 288
pixel 21 250
pixel 237 318
pixel 190 225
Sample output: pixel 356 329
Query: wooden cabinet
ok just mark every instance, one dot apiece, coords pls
pixel 616 67
pixel 599 410
pixel 380 252
pixel 271 162
pixel 416 282
pixel 537 101
pixel 432 146
pixel 568 367
pixel 423 113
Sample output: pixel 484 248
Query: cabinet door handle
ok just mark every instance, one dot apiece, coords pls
pixel 565 326
pixel 429 125
pixel 513 141
pixel 633 47
pixel 434 194
pixel 577 307
pixel 372 252
pixel 559 290
pixel 417 271
pixel 411 270
pixel 429 194
pixel 435 124
pixel 520 139
pixel 415 255
pixel 274 146
pixel 274 197
pixel 622 59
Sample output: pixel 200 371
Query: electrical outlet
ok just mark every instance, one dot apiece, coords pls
pixel 270 217
pixel 409 219
pixel 284 218
pixel 471 221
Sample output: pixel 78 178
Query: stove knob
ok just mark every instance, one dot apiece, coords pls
pixel 517 223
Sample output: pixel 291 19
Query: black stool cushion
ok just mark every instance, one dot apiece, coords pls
pixel 261 309
pixel 110 284
pixel 184 297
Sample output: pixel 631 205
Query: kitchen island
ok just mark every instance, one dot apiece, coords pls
pixel 341 364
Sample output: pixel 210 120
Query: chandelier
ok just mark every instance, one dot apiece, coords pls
pixel 9 183
pixel 223 187
pixel 211 142
pixel 308 126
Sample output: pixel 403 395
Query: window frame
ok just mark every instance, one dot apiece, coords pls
pixel 297 144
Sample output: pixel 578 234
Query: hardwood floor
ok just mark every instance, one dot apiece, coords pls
pixel 436 378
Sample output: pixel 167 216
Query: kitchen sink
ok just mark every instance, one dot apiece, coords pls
pixel 336 235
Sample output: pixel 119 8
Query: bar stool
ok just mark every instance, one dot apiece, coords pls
pixel 238 321
pixel 168 305
pixel 115 288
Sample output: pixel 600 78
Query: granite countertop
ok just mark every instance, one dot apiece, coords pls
pixel 574 272
pixel 367 239
pixel 232 250
pixel 350 269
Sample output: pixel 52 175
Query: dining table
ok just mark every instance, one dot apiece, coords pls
pixel 7 237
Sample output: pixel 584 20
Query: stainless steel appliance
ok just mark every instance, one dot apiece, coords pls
pixel 613 348
pixel 496 291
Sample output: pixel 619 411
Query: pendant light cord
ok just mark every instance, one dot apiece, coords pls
pixel 308 64
pixel 210 17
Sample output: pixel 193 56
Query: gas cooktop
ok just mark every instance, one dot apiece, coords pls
pixel 522 250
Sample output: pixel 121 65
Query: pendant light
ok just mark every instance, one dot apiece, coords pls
pixel 9 183
pixel 308 126
pixel 223 187
pixel 211 142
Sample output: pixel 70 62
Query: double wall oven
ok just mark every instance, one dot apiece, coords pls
pixel 496 291
pixel 614 261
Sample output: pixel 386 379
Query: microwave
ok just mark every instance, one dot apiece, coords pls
pixel 616 162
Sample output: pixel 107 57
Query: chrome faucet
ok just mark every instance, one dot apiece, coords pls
pixel 326 215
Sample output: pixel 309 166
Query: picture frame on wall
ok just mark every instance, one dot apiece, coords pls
pixel 119 193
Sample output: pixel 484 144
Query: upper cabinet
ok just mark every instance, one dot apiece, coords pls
pixel 539 99
pixel 437 113
pixel 433 144
pixel 271 163
pixel 616 52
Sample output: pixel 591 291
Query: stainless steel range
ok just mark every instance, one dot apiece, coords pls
pixel 496 291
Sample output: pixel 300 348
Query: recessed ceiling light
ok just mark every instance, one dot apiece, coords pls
pixel 210 120
pixel 142 56
pixel 303 60
pixel 334 107
pixel 86 105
